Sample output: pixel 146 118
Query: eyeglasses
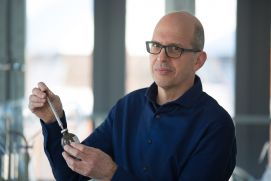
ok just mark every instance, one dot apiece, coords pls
pixel 172 51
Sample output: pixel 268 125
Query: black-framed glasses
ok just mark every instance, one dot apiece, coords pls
pixel 172 51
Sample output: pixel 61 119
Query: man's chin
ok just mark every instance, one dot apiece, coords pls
pixel 163 84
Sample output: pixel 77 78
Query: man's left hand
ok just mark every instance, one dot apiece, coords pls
pixel 89 161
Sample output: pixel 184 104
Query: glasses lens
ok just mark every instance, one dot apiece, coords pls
pixel 171 50
pixel 174 51
pixel 153 47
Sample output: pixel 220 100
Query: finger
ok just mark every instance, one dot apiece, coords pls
pixel 35 99
pixel 74 152
pixel 72 162
pixel 43 87
pixel 82 167
pixel 83 148
pixel 35 102
pixel 38 92
pixel 78 146
pixel 33 106
pixel 69 157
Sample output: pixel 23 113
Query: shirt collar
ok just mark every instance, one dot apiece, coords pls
pixel 188 99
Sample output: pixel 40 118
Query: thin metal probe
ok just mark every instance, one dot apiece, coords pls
pixel 55 113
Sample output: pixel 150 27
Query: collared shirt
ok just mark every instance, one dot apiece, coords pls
pixel 189 139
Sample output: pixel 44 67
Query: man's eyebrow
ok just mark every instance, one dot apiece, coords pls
pixel 175 44
pixel 170 44
pixel 156 42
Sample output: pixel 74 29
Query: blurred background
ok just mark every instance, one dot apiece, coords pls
pixel 91 53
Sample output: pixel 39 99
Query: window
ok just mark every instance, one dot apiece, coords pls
pixel 141 18
pixel 58 52
pixel 217 75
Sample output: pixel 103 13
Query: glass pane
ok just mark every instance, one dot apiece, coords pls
pixel 218 72
pixel 59 48
pixel 141 18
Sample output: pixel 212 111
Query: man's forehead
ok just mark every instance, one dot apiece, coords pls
pixel 168 34
pixel 175 25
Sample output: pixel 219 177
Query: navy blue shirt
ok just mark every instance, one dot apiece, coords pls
pixel 189 139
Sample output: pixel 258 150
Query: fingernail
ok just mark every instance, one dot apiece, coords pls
pixel 74 144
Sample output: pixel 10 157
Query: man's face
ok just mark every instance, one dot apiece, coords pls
pixel 173 72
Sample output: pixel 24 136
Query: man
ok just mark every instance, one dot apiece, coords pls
pixel 169 131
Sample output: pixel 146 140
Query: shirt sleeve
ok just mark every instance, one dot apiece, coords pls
pixel 215 156
pixel 101 138
pixel 53 150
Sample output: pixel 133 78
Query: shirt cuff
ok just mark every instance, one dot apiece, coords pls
pixel 52 130
pixel 52 134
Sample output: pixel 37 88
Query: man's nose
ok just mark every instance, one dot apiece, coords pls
pixel 162 56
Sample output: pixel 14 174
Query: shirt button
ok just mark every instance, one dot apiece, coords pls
pixel 150 141
pixel 145 168
pixel 157 116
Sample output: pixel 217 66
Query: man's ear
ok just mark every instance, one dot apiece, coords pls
pixel 201 58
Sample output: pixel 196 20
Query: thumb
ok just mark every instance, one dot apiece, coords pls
pixel 43 87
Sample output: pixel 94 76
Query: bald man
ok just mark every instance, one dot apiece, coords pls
pixel 169 131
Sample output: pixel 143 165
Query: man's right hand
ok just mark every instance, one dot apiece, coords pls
pixel 39 106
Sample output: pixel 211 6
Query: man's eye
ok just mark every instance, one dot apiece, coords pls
pixel 155 45
pixel 174 48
